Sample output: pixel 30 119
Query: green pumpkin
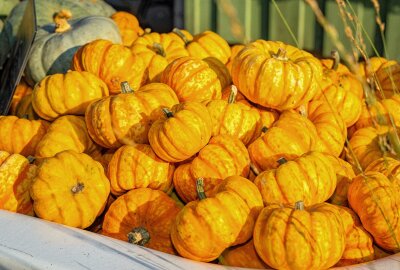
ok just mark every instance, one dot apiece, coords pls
pixel 52 52
pixel 45 10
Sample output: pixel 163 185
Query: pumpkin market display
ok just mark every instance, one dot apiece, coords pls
pixel 258 155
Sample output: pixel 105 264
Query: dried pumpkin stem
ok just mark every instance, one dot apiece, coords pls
pixel 254 169
pixel 126 88
pixel 299 205
pixel 336 59
pixel 167 112
pixel 233 94
pixel 158 48
pixel 60 19
pixel 200 188
pixel 77 188
pixel 147 31
pixel 264 129
pixel 181 35
pixel 282 161
pixel 31 159
pixel 280 55
pixel 139 236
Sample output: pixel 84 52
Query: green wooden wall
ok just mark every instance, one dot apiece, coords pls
pixel 262 19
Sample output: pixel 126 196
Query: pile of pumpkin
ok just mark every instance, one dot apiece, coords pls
pixel 257 155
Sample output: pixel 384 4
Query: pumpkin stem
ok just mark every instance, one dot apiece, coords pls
pixel 200 188
pixel 254 169
pixel 336 59
pixel 60 19
pixel 264 129
pixel 181 35
pixel 146 31
pixel 31 159
pixel 233 94
pixel 158 48
pixel 299 205
pixel 303 110
pixel 167 112
pixel 77 188
pixel 126 88
pixel 280 55
pixel 139 236
pixel 282 161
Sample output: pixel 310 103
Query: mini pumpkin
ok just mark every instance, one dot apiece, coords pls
pixel 243 255
pixel 224 219
pixel 70 93
pixel 25 109
pixel 387 79
pixel 126 118
pixel 128 26
pixel 143 217
pixel 235 49
pixel 22 90
pixel 21 136
pixel 137 166
pixel 65 133
pixel 192 80
pixel 220 69
pixel 388 166
pixel 298 237
pixel 113 63
pixel 181 132
pixel 16 175
pixel 344 174
pixel 76 196
pixel 297 74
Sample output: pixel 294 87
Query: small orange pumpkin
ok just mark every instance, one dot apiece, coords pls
pixel 128 26
pixel 25 109
pixel 21 91
pixel 345 175
pixel 243 255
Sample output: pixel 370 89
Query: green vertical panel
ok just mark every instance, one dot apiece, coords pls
pixel 392 30
pixel 199 15
pixel 224 25
pixel 366 15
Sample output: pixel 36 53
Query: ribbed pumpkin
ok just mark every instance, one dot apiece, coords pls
pixel 330 127
pixel 236 119
pixel 65 133
pixel 388 79
pixel 25 109
pixel 243 255
pixel 203 229
pixel 137 166
pixel 300 238
pixel 143 217
pixel 223 156
pixel 74 197
pixel 310 178
pixel 388 166
pixel 290 136
pixel 376 201
pixel 70 93
pixel 344 174
pixel 16 176
pixel 359 247
pixel 104 157
pixel 220 69
pixel 369 144
pixel 113 63
pixel 21 136
pixel 128 26
pixel 208 44
pixel 21 91
pixel 296 74
pixel 368 70
pixel 235 49
pixel 181 132
pixel 192 80
pixel 126 118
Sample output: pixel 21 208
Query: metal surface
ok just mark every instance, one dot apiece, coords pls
pixel 12 71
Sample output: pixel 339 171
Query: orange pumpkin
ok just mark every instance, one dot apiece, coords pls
pixel 388 166
pixel 300 238
pixel 70 93
pixel 376 201
pixel 243 255
pixel 25 109
pixel 143 217
pixel 236 119
pixel 181 132
pixel 192 80
pixel 16 176
pixel 290 136
pixel 113 63
pixel 74 197
pixel 126 118
pixel 310 178
pixel 208 44
pixel 128 26
pixel 223 156
pixel 220 69
pixel 21 136
pixel 137 166
pixel 235 49
pixel 387 79
pixel 21 91
pixel 65 133
pixel 181 35
pixel 344 174
pixel 104 157
pixel 296 74
pixel 359 247
pixel 224 219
